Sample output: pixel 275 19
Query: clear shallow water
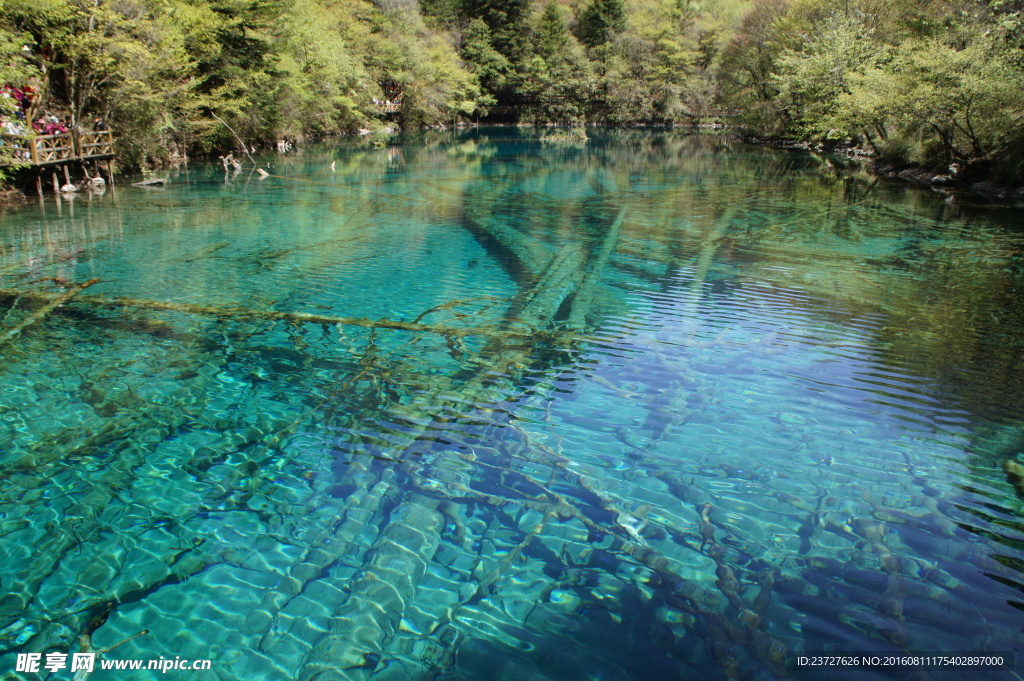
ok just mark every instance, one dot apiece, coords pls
pixel 728 407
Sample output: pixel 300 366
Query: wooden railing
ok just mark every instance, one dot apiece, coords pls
pixel 16 149
pixel 46 149
pixel 96 143
pixel 50 148
pixel 391 105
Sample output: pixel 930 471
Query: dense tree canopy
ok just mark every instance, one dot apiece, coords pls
pixel 938 83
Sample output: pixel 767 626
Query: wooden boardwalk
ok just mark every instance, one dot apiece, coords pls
pixel 46 150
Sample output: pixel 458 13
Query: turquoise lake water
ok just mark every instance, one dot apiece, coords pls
pixel 670 407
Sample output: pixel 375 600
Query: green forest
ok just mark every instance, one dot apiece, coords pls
pixel 936 84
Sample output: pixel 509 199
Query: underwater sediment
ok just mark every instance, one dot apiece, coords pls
pixel 653 408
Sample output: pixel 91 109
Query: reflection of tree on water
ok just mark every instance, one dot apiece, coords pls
pixel 369 617
pixel 797 219
pixel 808 252
pixel 451 506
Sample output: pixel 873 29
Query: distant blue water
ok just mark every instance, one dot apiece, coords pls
pixel 727 406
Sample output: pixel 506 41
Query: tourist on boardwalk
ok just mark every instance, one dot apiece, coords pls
pixel 9 127
pixel 14 128
pixel 52 125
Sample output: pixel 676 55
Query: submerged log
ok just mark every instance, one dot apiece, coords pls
pixel 585 294
pixel 150 182
pixel 45 309
pixel 310 318
pixel 366 622
pixel 362 626
pixel 529 256
pixel 151 426
pixel 203 252
pixel 379 595
pixel 274 315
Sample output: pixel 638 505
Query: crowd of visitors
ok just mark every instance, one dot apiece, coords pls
pixel 18 100
pixel 48 124
pixel 9 127
pixel 18 119
pixel 15 105
pixel 14 127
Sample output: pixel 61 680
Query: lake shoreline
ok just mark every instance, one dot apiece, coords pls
pixel 908 172
pixel 912 173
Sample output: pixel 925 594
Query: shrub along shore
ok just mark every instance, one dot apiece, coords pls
pixel 937 86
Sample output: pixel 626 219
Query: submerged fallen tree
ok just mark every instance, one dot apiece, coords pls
pixel 364 624
pixel 26 621
pixel 48 306
pixel 357 644
pixel 245 313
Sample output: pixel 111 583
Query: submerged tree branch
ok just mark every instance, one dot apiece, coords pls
pixel 270 315
pixel 45 309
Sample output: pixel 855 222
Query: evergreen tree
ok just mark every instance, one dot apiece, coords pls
pixel 601 21
pixel 443 12
pixel 552 35
pixel 490 65
pixel 926 83
pixel 507 21
pixel 559 77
